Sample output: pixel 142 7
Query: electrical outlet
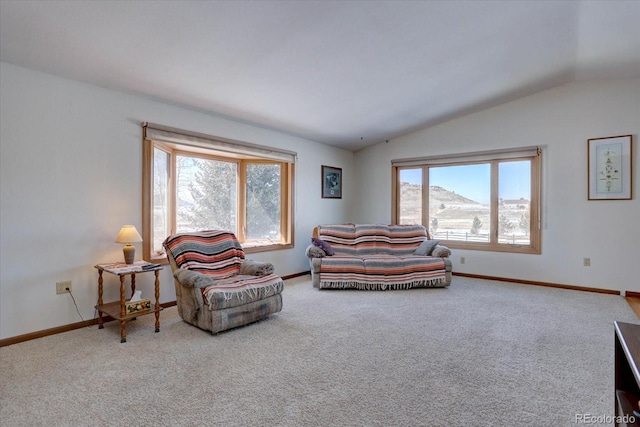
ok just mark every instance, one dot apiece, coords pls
pixel 587 262
pixel 462 260
pixel 63 287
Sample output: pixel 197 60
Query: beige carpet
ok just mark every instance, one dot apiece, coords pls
pixel 480 353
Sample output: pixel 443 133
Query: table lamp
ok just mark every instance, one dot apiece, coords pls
pixel 128 234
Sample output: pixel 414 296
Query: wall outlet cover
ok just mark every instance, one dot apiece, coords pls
pixel 61 287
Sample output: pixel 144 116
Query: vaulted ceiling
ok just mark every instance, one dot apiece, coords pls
pixel 344 73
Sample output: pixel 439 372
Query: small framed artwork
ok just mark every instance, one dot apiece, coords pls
pixel 609 167
pixel 331 182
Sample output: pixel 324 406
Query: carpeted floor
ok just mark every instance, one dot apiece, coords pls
pixel 481 353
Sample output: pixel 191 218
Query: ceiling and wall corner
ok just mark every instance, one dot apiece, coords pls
pixel 347 74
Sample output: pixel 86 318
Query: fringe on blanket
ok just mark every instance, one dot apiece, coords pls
pixel 252 292
pixel 426 283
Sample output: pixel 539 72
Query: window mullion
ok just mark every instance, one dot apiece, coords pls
pixel 395 195
pixel 425 198
pixel 242 201
pixel 493 210
pixel 147 197
pixel 284 201
pixel 535 221
pixel 173 185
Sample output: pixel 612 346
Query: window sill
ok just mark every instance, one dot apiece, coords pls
pixel 517 249
pixel 159 259
pixel 250 249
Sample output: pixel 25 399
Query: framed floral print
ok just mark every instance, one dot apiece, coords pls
pixel 609 168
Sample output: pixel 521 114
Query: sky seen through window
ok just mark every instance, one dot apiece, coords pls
pixel 473 181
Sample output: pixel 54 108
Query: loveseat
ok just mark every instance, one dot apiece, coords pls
pixel 216 287
pixel 377 257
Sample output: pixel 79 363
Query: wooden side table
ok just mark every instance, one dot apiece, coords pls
pixel 117 309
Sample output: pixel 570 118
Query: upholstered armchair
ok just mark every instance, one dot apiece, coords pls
pixel 216 287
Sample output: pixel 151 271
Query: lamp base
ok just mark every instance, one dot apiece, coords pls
pixel 129 253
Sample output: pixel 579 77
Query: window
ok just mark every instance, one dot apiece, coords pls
pixel 197 182
pixel 485 201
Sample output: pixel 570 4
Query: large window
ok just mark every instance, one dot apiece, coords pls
pixel 485 201
pixel 194 182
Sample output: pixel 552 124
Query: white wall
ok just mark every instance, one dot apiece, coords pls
pixel 561 120
pixel 70 177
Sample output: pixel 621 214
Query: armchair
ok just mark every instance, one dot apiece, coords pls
pixel 216 287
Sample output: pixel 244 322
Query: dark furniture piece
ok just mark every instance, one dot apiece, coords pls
pixel 627 373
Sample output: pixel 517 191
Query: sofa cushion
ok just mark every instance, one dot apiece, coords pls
pixel 341 237
pixel 326 247
pixel 381 272
pixel 371 239
pixel 406 238
pixel 426 247
pixel 193 279
pixel 313 251
pixel 405 268
pixel 256 268
pixel 441 251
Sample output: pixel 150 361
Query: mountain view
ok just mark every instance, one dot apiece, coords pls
pixel 453 216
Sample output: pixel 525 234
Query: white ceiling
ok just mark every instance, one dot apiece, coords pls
pixel 344 73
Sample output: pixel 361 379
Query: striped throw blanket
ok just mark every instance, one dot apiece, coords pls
pixel 209 252
pixel 378 257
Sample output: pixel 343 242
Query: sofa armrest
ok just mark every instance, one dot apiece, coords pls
pixel 256 268
pixel 315 252
pixel 192 279
pixel 441 251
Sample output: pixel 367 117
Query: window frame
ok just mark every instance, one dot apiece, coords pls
pixel 493 159
pixel 173 149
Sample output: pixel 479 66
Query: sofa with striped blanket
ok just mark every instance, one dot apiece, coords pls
pixel 216 287
pixel 377 257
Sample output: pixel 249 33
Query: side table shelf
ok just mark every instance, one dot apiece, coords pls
pixel 113 309
pixel 117 309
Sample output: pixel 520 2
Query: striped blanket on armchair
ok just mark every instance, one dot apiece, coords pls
pixel 376 257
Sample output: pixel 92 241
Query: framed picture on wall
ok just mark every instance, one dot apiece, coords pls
pixel 331 182
pixel 609 166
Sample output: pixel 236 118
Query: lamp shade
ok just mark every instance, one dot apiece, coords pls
pixel 128 234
